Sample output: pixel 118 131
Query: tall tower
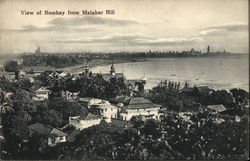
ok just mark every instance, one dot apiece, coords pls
pixel 87 69
pixel 208 49
pixel 144 79
pixel 38 51
pixel 112 70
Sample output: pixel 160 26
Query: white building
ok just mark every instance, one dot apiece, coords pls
pixel 70 95
pixel 139 106
pixel 105 109
pixel 82 122
pixel 41 94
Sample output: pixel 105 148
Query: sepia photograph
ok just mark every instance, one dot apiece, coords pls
pixel 124 80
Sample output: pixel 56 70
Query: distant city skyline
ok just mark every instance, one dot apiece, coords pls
pixel 172 25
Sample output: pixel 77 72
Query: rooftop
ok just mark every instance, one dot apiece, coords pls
pixel 89 116
pixel 72 136
pixel 57 133
pixel 140 102
pixel 42 89
pixel 41 128
pixel 218 108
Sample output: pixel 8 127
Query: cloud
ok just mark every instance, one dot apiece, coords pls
pixel 76 24
pixel 224 29
pixel 51 28
pixel 212 31
pixel 134 40
pixel 91 20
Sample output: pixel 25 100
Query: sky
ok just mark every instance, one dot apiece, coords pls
pixel 136 26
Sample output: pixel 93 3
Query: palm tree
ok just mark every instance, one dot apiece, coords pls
pixel 6 108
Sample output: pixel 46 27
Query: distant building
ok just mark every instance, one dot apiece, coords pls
pixel 83 122
pixel 41 94
pixel 38 51
pixel 203 90
pixel 113 74
pixel 87 71
pixel 208 49
pixel 139 106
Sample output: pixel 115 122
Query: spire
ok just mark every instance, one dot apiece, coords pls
pixel 112 69
pixel 87 69
pixel 208 49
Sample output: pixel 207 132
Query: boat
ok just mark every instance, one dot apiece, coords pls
pixel 173 75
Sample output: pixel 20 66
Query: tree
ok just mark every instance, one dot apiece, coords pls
pixel 241 96
pixel 22 101
pixel 11 66
pixel 219 97
pixel 15 131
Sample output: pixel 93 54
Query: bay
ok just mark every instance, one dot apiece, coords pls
pixel 218 72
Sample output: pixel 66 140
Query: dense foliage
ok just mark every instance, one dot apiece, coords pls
pixel 174 137
pixel 89 86
pixel 11 66
pixel 170 96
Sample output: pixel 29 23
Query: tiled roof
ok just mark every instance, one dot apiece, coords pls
pixel 140 102
pixel 90 116
pixel 218 108
pixel 122 99
pixel 72 136
pixel 57 133
pixel 41 128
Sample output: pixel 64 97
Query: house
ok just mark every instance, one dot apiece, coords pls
pixel 41 94
pixel 216 108
pixel 139 106
pixel 56 136
pixel 82 122
pixel 70 95
pixel 203 90
pixel 105 109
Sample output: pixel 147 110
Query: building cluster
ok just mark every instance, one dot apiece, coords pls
pixel 117 111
